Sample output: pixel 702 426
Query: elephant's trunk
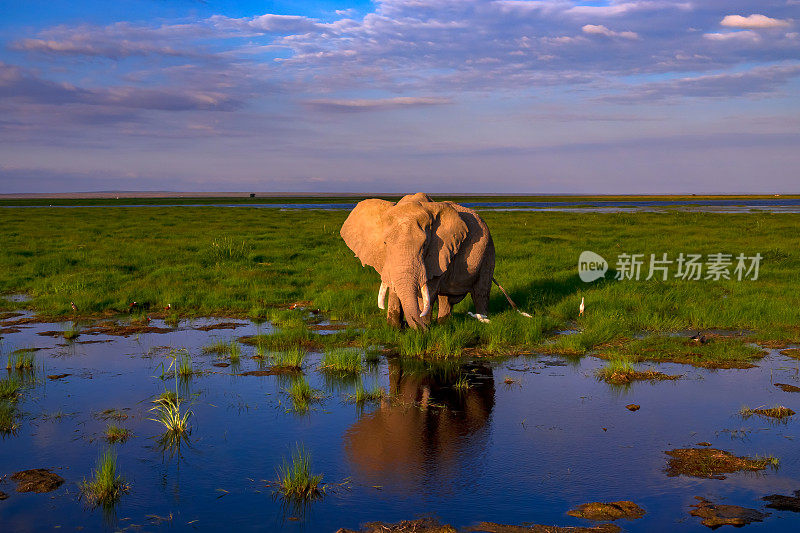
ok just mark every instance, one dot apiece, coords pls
pixel 409 293
pixel 382 295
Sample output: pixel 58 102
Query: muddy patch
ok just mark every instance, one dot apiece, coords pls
pixel 711 463
pixel 778 412
pixel 716 515
pixel 792 352
pixel 784 503
pixel 608 511
pixel 785 387
pixel 221 365
pixel 624 378
pixel 8 331
pixel 422 525
pixel 122 330
pixel 3 495
pixel 489 527
pixel 57 376
pixel 37 480
pixel 633 407
pixel 221 325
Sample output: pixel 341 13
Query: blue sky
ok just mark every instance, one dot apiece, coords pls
pixel 470 96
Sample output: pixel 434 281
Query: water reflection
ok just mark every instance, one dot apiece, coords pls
pixel 428 428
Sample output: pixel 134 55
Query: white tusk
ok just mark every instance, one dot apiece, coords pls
pixel 382 295
pixel 426 301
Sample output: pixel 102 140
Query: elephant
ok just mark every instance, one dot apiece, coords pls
pixel 422 250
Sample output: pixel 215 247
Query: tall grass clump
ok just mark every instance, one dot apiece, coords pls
pixel 302 395
pixel 20 360
pixel 106 486
pixel 168 411
pixel 184 365
pixel 290 359
pixel 9 388
pixel 342 360
pixel 295 480
pixel 72 332
pixel 8 417
pixel 617 370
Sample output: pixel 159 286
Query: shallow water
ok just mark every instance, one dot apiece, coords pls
pixel 524 452
pixel 776 205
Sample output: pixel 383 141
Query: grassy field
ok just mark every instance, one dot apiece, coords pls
pixel 255 262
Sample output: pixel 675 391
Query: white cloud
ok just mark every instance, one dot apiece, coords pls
pixel 599 29
pixel 754 22
pixel 746 35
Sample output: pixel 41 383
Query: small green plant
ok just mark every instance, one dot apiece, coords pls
pixel 462 383
pixel 363 395
pixel 342 360
pixel 184 365
pixel 8 417
pixel 9 388
pixel 302 395
pixel 20 360
pixel 617 371
pixel 230 348
pixel 168 410
pixel 106 486
pixel 115 433
pixel 291 359
pixel 295 480
pixel 72 332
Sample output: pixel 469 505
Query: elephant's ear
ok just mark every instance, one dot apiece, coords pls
pixel 418 197
pixel 448 231
pixel 363 232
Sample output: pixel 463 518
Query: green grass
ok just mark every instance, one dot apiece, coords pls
pixel 184 365
pixel 617 369
pixel 291 359
pixel 72 332
pixel 295 480
pixel 9 388
pixel 718 352
pixel 169 413
pixel 342 360
pixel 778 412
pixel 363 395
pixel 302 395
pixel 8 417
pixel 115 433
pixel 20 360
pixel 105 486
pixel 462 383
pixel 204 261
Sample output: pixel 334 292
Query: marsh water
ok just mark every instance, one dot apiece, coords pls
pixel 532 437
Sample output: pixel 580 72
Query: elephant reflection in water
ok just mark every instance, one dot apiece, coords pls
pixel 428 429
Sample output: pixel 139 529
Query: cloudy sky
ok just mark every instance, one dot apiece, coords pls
pixel 473 96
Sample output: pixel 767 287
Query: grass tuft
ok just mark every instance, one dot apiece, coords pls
pixel 295 480
pixel 363 395
pixel 9 388
pixel 290 359
pixel 779 412
pixel 106 486
pixel 20 360
pixel 115 433
pixel 342 360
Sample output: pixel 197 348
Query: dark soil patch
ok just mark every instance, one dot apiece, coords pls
pixel 704 443
pixel 489 527
pixel 51 333
pixel 93 342
pixel 122 330
pixel 715 515
pixel 608 511
pixel 113 414
pixel 23 321
pixel 57 376
pixel 784 503
pixel 633 407
pixel 9 330
pixel 37 480
pixel 221 325
pixel 3 495
pixel 710 463
pixel 623 378
pixel 785 387
pixel 221 365
pixel 422 525
pixel 779 412
pixel 792 352
pixel 9 314
pixel 274 371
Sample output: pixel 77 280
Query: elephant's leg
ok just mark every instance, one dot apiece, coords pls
pixel 444 308
pixel 480 291
pixel 394 311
